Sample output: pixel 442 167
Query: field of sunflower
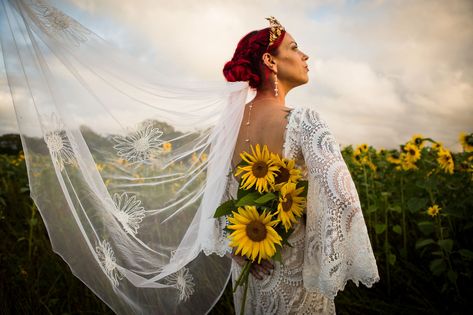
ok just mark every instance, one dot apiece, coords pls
pixel 417 202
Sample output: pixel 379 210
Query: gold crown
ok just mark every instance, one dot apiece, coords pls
pixel 276 29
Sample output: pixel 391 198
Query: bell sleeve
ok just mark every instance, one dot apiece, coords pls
pixel 337 245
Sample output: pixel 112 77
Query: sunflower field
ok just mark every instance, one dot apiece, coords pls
pixel 417 202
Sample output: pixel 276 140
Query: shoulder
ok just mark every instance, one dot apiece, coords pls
pixel 308 118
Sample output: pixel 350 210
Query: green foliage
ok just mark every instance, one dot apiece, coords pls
pixel 425 262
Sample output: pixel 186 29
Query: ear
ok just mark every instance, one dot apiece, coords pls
pixel 269 61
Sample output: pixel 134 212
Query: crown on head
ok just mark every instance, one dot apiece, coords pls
pixel 276 29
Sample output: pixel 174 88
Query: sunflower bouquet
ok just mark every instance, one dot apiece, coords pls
pixel 270 200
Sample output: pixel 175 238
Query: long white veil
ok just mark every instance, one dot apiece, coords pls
pixel 125 167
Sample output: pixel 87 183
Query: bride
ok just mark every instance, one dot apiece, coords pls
pixel 127 169
pixel 330 246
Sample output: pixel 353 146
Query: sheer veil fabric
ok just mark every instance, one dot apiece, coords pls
pixel 127 169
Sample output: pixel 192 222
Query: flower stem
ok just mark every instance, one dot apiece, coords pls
pixel 243 274
pixel 403 211
pixel 386 245
pixel 368 200
pixel 245 291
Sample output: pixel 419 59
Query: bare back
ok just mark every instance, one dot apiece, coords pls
pixel 267 126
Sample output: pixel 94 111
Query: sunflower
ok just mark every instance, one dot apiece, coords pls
pixel 290 205
pixel 253 235
pixel 412 152
pixel 260 170
pixel 445 160
pixel 362 147
pixel 434 210
pixel 357 156
pixel 466 141
pixel 393 158
pixel 407 163
pixel 167 146
pixel 417 140
pixel 287 172
pixel 437 146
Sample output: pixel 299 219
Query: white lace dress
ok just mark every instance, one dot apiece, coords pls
pixel 330 246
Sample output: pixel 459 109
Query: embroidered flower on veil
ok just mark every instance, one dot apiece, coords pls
pixel 128 211
pixel 57 23
pixel 57 141
pixel 107 259
pixel 183 281
pixel 139 146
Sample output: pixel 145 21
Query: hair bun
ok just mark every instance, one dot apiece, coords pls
pixel 240 70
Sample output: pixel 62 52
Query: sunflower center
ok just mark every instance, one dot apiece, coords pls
pixel 260 169
pixel 256 231
pixel 283 175
pixel 412 152
pixel 469 140
pixel 286 205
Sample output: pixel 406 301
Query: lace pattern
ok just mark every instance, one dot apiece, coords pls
pixel 337 245
pixel 219 243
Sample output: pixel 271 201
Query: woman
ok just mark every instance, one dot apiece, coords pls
pixel 273 64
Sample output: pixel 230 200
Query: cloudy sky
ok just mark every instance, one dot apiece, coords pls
pixel 380 71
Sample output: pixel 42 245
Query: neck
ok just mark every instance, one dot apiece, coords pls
pixel 267 95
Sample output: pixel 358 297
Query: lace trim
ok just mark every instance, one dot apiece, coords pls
pixel 219 244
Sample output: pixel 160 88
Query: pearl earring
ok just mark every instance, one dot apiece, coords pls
pixel 275 84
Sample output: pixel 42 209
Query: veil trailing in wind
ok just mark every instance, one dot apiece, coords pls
pixel 126 168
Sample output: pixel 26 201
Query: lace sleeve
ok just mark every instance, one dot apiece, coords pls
pixel 219 243
pixel 337 244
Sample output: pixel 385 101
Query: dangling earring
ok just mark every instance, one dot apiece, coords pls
pixel 275 84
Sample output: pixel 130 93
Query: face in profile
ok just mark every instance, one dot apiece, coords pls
pixel 292 68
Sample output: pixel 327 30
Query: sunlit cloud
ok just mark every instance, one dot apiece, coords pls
pixel 379 70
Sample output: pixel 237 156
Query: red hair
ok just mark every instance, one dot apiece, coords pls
pixel 245 64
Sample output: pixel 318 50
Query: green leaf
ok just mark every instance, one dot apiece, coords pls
pixel 24 189
pixel 386 194
pixel 277 255
pixel 452 276
pixel 397 229
pixel 372 208
pixel 446 244
pixel 225 208
pixel 265 198
pixel 468 254
pixel 305 184
pixel 395 208
pixel 426 227
pixel 420 183
pixel 415 204
pixel 242 192
pixel 392 259
pixel 422 243
pixel 437 266
pixel 248 200
pixel 379 228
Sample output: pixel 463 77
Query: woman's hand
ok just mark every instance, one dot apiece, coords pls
pixel 257 270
